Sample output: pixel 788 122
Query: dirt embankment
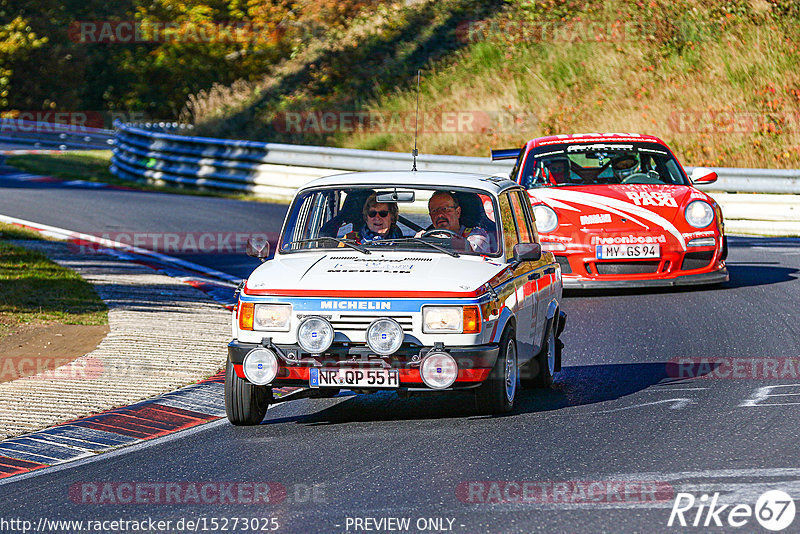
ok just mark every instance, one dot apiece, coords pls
pixel 31 349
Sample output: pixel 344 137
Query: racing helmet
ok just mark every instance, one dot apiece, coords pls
pixel 557 170
pixel 625 166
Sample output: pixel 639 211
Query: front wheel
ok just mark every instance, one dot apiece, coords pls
pixel 245 403
pixel 538 373
pixel 497 394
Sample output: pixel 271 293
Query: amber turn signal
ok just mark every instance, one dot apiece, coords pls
pixel 246 310
pixel 472 320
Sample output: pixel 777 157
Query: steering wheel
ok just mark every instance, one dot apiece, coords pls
pixel 445 231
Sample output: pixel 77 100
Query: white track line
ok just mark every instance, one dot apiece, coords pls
pixel 64 234
pixel 123 449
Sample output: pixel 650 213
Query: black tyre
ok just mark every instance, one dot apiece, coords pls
pixel 498 393
pixel 245 403
pixel 538 373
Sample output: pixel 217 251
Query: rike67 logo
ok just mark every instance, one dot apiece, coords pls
pixel 774 510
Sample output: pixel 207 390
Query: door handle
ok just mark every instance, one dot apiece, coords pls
pixel 550 270
pixel 534 276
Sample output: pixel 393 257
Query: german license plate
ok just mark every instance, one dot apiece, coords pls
pixel 611 252
pixel 356 378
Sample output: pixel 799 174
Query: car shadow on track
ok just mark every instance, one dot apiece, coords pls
pixel 742 274
pixel 574 386
pixel 584 385
pixel 758 274
pixel 767 269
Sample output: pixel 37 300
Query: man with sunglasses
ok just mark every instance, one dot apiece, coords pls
pixel 380 222
pixel 445 214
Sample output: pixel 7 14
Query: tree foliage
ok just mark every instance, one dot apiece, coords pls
pixel 44 64
pixel 17 40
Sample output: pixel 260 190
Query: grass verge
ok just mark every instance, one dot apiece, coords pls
pixel 718 80
pixel 35 290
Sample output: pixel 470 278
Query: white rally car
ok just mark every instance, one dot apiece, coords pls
pixel 414 309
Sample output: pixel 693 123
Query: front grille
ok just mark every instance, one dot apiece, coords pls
pixel 697 260
pixel 564 263
pixel 387 260
pixel 359 323
pixel 627 267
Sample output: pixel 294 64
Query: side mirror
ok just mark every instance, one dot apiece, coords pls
pixel 527 252
pixel 258 247
pixel 702 175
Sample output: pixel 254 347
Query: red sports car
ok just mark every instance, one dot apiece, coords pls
pixel 618 210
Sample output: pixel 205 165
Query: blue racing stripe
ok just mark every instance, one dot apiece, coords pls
pixel 90 435
pixel 12 451
pixel 67 442
pixel 47 450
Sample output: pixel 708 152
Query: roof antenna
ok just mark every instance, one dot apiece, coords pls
pixel 416 119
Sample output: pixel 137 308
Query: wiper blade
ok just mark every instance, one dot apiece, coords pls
pixel 414 240
pixel 344 242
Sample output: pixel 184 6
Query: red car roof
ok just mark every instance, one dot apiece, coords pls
pixel 583 138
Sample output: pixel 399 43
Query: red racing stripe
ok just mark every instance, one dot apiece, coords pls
pixel 356 293
pixel 12 466
pixel 412 376
pixel 147 421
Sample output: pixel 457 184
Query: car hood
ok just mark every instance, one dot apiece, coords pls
pixel 630 208
pixel 336 272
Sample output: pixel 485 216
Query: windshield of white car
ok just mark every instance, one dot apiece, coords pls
pixel 601 163
pixel 331 218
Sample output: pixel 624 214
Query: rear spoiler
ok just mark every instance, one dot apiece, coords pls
pixel 505 153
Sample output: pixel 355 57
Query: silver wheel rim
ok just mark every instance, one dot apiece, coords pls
pixel 551 352
pixel 511 370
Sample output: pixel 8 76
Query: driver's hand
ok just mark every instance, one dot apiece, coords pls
pixel 419 234
pixel 460 243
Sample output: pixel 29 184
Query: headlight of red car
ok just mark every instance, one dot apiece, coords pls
pixel 699 213
pixel 546 218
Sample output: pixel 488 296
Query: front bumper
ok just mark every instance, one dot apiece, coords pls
pixel 715 277
pixel 692 267
pixel 474 362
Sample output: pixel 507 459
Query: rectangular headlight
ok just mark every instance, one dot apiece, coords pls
pixel 276 317
pixel 702 242
pixel 443 319
pixel 451 319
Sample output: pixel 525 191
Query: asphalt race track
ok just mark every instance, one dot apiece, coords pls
pixel 624 417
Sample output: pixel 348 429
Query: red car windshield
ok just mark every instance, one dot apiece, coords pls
pixel 601 163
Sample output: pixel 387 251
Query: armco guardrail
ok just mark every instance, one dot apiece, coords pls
pixel 47 135
pixel 271 169
pixel 276 170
